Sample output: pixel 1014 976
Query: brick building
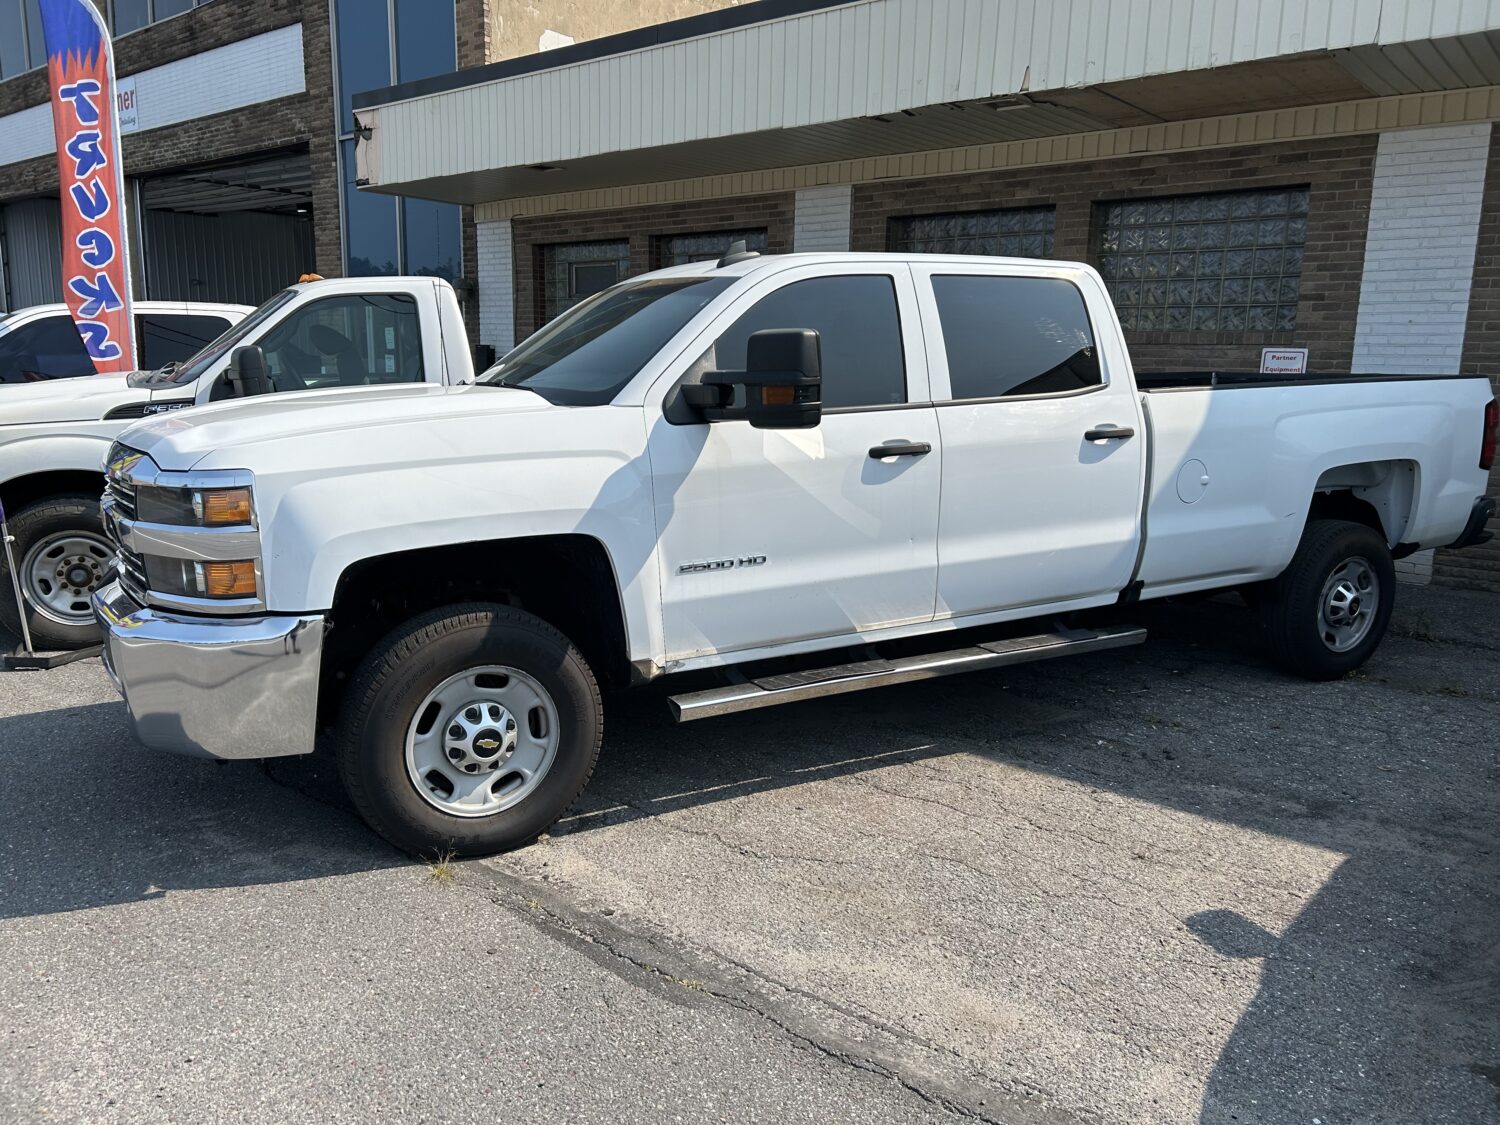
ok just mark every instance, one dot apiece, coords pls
pixel 239 147
pixel 1247 174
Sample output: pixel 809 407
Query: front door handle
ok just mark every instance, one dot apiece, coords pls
pixel 1109 433
pixel 900 449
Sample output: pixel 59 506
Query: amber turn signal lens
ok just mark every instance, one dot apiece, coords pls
pixel 228 579
pixel 778 396
pixel 226 506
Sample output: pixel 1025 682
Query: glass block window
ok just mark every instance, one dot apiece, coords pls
pixel 575 270
pixel 1017 232
pixel 679 249
pixel 1230 262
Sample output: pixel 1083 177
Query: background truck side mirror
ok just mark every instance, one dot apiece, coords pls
pixel 247 372
pixel 782 381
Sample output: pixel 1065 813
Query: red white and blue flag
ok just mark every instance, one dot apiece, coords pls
pixel 95 266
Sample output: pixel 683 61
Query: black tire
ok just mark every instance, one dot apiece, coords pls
pixel 31 526
pixel 1291 607
pixel 397 677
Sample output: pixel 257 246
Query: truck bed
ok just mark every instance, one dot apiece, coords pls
pixel 1158 381
pixel 1231 477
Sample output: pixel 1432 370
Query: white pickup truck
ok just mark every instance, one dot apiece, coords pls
pixel 758 480
pixel 54 434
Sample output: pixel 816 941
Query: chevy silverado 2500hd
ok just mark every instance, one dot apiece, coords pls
pixel 54 435
pixel 799 475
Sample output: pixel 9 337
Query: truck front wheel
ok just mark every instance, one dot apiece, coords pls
pixel 61 555
pixel 469 730
pixel 1328 610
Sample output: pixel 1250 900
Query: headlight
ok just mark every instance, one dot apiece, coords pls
pixel 187 578
pixel 194 507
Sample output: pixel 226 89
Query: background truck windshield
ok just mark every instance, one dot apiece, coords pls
pixel 196 365
pixel 586 355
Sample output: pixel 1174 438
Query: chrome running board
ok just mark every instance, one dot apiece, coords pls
pixel 771 690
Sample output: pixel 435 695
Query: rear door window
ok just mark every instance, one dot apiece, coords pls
pixel 49 348
pixel 165 338
pixel 1013 336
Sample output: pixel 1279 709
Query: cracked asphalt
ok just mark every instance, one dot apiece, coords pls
pixel 1158 885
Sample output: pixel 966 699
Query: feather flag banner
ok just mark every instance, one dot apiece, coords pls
pixel 95 260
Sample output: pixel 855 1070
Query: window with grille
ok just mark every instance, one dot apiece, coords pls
pixel 1016 232
pixel 679 249
pixel 575 270
pixel 1230 262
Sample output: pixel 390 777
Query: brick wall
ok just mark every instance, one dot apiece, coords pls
pixel 1338 173
pixel 640 225
pixel 1479 567
pixel 302 120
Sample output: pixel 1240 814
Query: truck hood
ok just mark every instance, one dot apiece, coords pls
pixel 234 430
pixel 84 399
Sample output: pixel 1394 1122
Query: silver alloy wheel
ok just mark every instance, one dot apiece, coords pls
pixel 61 570
pixel 482 741
pixel 1347 608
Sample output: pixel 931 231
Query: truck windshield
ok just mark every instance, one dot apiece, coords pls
pixel 189 370
pixel 586 355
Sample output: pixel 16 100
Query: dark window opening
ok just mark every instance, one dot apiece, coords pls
pixel 1010 336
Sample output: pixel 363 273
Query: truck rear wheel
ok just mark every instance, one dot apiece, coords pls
pixel 469 730
pixel 61 554
pixel 1328 610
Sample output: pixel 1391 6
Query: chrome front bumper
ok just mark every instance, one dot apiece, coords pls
pixel 230 687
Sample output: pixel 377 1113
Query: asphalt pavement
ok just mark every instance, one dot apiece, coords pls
pixel 1158 885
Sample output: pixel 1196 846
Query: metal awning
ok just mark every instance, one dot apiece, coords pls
pixel 781 83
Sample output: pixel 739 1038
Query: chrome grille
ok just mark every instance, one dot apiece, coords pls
pixel 120 494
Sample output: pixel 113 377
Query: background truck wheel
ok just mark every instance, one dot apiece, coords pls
pixel 469 730
pixel 61 554
pixel 1328 610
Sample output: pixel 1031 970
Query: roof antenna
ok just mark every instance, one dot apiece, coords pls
pixel 737 253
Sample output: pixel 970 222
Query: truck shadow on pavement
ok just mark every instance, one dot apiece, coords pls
pixel 1377 999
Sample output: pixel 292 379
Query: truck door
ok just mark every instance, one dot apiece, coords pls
pixel 1043 444
pixel 774 536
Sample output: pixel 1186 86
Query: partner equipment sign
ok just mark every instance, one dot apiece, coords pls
pixel 96 277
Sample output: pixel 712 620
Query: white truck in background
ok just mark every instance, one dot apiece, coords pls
pixel 320 335
pixel 755 481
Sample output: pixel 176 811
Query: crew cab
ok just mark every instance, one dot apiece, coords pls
pixel 754 481
pixel 41 343
pixel 317 335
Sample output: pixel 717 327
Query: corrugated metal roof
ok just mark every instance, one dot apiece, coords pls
pixel 781 89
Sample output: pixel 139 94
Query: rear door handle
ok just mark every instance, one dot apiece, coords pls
pixel 1109 433
pixel 900 449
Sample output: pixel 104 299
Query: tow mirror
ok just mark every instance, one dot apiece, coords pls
pixel 247 372
pixel 782 381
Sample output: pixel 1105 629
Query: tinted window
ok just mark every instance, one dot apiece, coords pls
pixel 425 43
pixel 586 355
pixel 12 39
pixel 346 342
pixel 1015 336
pixel 432 236
pixel 165 338
pixel 859 333
pixel 364 52
pixel 44 349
